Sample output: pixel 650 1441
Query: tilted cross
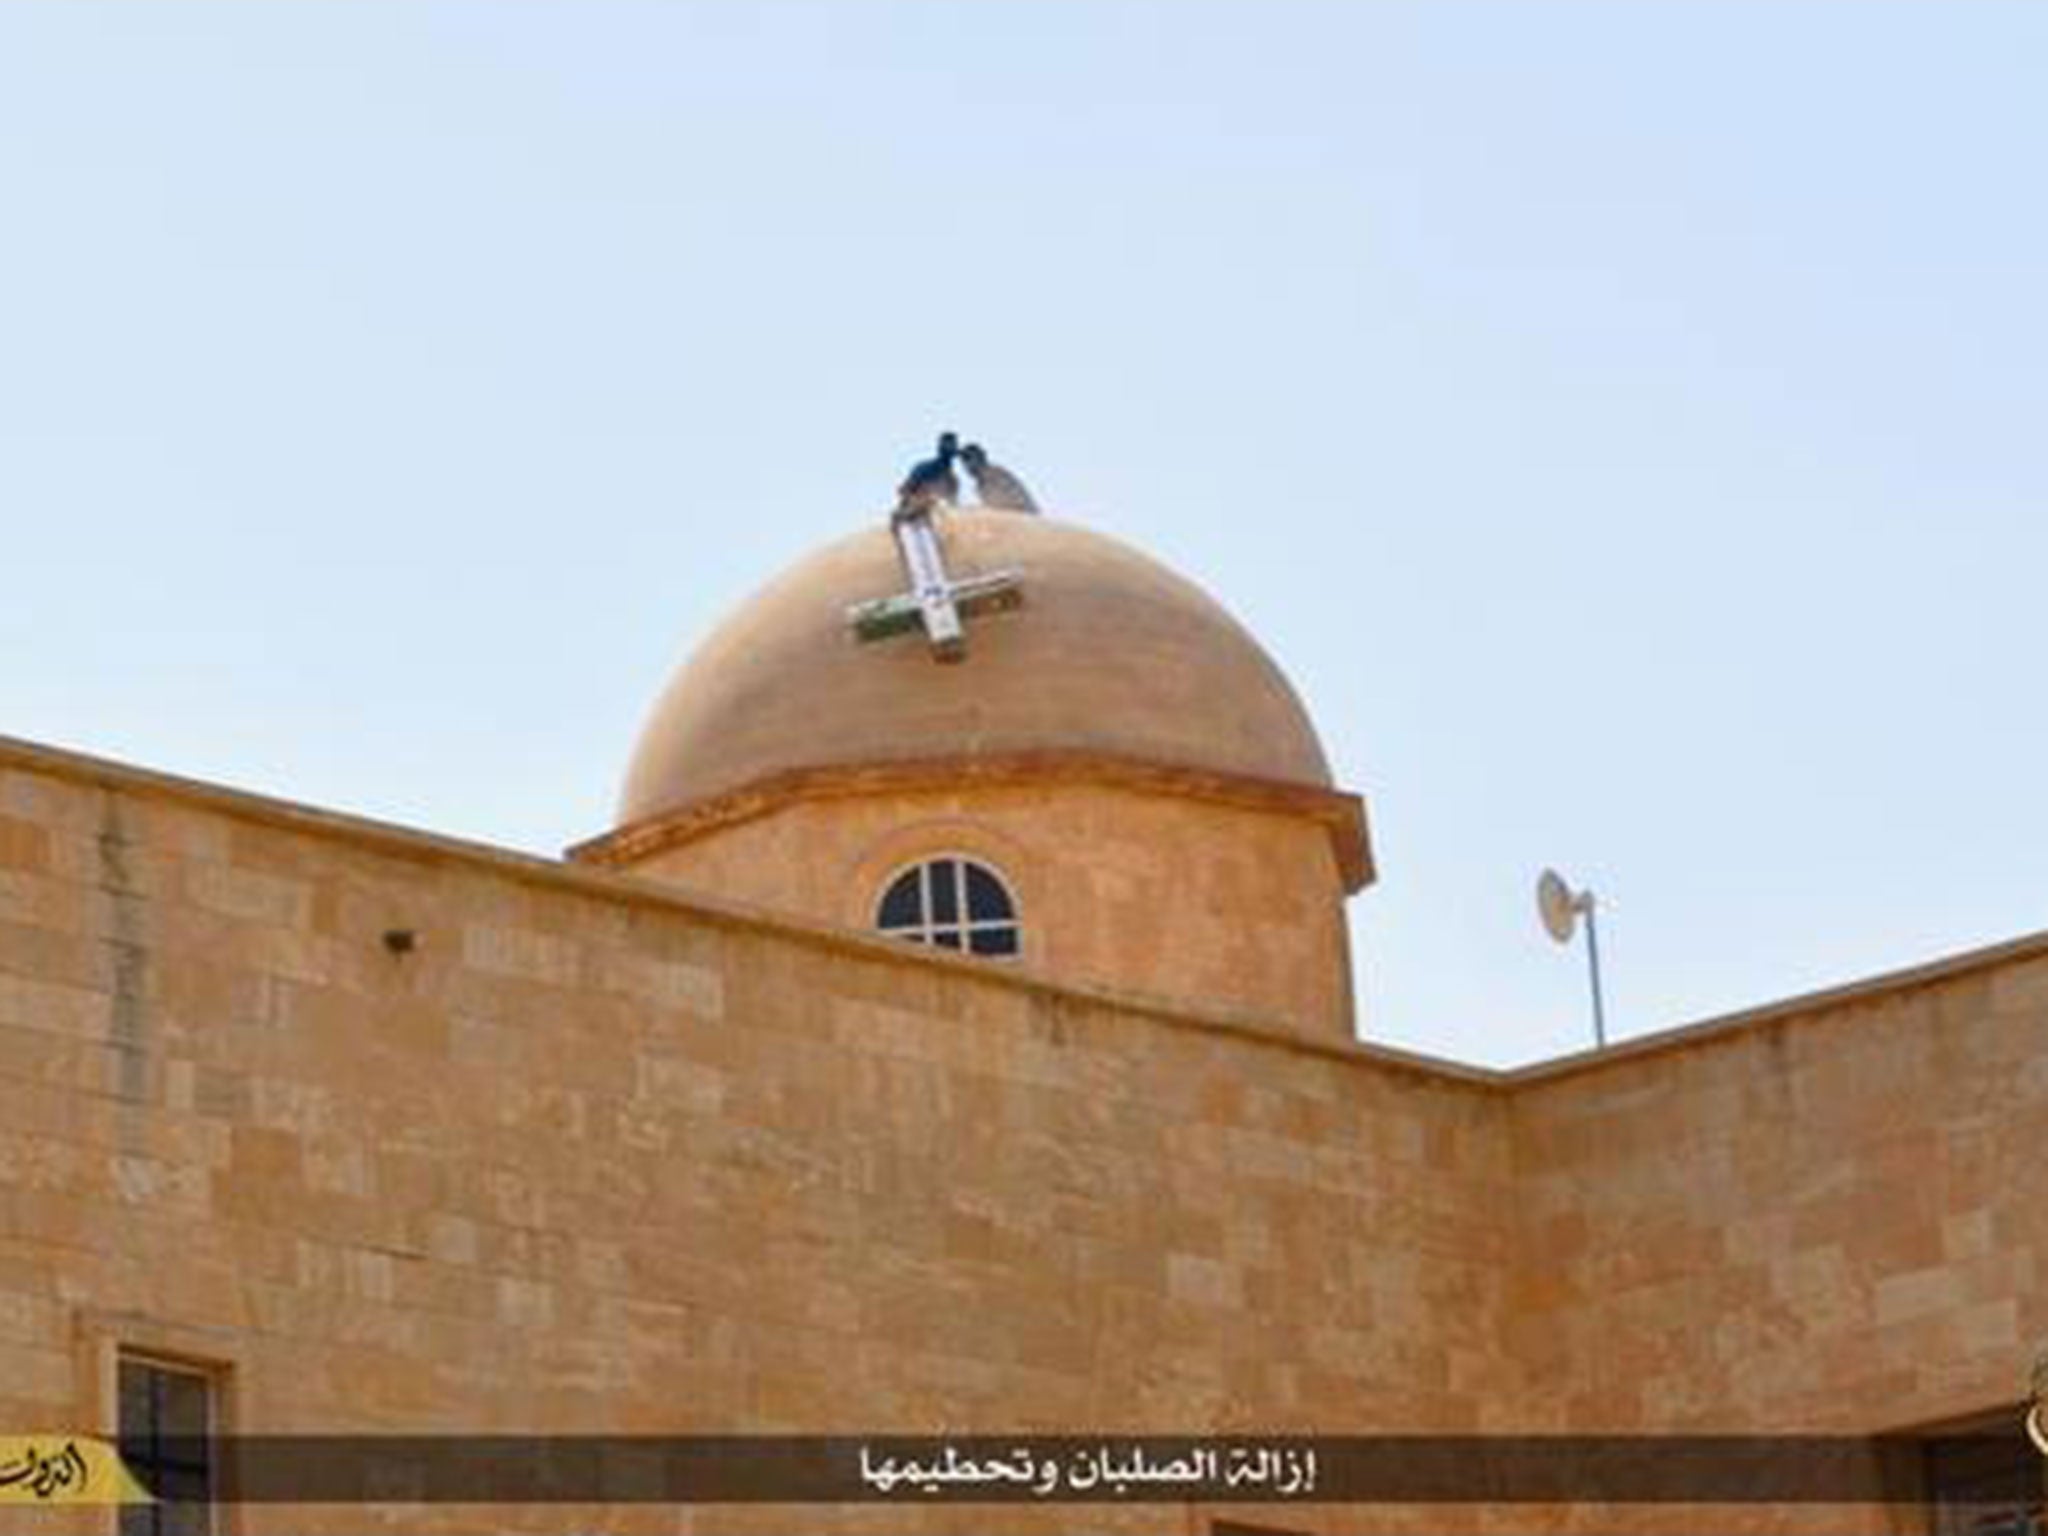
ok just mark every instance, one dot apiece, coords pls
pixel 935 600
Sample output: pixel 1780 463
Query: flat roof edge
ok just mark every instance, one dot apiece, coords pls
pixel 410 842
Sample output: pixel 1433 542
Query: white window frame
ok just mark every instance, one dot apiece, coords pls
pixel 927 929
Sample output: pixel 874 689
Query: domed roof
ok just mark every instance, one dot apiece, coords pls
pixel 1111 654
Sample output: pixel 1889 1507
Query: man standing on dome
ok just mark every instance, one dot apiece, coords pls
pixel 998 489
pixel 931 480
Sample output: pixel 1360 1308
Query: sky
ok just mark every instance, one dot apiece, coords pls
pixel 1627 424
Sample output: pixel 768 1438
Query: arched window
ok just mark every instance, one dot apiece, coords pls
pixel 953 903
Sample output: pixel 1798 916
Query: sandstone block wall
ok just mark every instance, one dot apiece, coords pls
pixel 591 1156
pixel 588 1157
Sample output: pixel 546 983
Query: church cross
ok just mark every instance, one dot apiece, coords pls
pixel 935 601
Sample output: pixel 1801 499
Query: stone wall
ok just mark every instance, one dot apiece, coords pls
pixel 591 1155
pixel 1833 1218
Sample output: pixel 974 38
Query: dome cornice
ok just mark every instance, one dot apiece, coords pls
pixel 1340 813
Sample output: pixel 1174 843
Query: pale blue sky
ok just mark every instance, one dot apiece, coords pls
pixel 1624 422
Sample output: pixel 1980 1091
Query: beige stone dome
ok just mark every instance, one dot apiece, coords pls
pixel 1111 655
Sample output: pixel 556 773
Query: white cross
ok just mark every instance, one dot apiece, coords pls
pixel 935 599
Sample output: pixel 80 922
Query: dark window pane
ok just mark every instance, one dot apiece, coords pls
pixel 183 1403
pixel 993 941
pixel 165 1416
pixel 138 1411
pixel 177 1487
pixel 947 939
pixel 945 891
pixel 900 905
pixel 986 898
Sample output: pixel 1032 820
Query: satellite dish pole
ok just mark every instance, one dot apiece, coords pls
pixel 1560 907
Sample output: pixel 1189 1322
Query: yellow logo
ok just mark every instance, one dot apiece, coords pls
pixel 65 1469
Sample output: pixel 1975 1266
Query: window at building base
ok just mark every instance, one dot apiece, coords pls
pixel 1984 1478
pixel 168 1418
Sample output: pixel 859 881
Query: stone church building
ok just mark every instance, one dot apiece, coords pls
pixel 943 1048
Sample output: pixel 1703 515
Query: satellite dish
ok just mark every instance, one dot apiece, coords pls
pixel 1557 905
